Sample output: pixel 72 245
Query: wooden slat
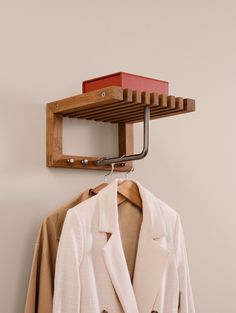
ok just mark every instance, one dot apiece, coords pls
pixel 127 99
pixel 189 106
pixel 175 104
pixel 153 114
pixel 146 97
pixel 92 99
pixel 131 99
pixel 136 101
pixel 139 101
pixel 132 108
pixel 81 112
pixel 179 101
pixel 164 103
pixel 127 96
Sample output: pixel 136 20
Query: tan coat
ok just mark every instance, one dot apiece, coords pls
pixel 41 283
pixel 92 274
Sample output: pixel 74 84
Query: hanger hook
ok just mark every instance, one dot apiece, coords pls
pixel 127 173
pixel 110 173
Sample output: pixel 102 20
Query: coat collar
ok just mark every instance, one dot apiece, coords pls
pixel 108 209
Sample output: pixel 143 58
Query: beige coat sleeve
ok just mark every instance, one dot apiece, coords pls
pixel 40 287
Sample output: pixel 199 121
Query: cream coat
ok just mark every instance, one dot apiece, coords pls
pixel 91 270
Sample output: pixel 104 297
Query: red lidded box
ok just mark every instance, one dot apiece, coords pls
pixel 126 80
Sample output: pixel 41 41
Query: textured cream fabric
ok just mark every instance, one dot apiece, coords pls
pixel 91 270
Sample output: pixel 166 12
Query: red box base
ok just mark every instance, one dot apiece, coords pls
pixel 126 80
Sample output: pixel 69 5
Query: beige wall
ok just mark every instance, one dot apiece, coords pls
pixel 47 49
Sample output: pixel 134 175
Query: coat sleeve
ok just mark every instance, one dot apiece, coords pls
pixel 186 302
pixel 66 297
pixel 40 286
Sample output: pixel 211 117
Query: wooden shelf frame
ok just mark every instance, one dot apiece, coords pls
pixel 112 104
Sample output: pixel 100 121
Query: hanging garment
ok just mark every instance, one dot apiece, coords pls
pixel 41 283
pixel 92 275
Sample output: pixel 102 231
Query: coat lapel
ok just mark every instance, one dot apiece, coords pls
pixel 118 271
pixel 151 257
pixel 150 265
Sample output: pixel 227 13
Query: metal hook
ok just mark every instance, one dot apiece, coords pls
pixel 110 173
pixel 123 164
pixel 127 173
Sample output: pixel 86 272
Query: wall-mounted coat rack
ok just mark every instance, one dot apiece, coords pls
pixel 115 105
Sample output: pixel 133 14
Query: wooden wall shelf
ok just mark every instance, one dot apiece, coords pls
pixel 111 104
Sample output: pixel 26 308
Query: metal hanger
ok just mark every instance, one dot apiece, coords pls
pixel 127 173
pixel 110 173
pixel 96 189
pixel 127 190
